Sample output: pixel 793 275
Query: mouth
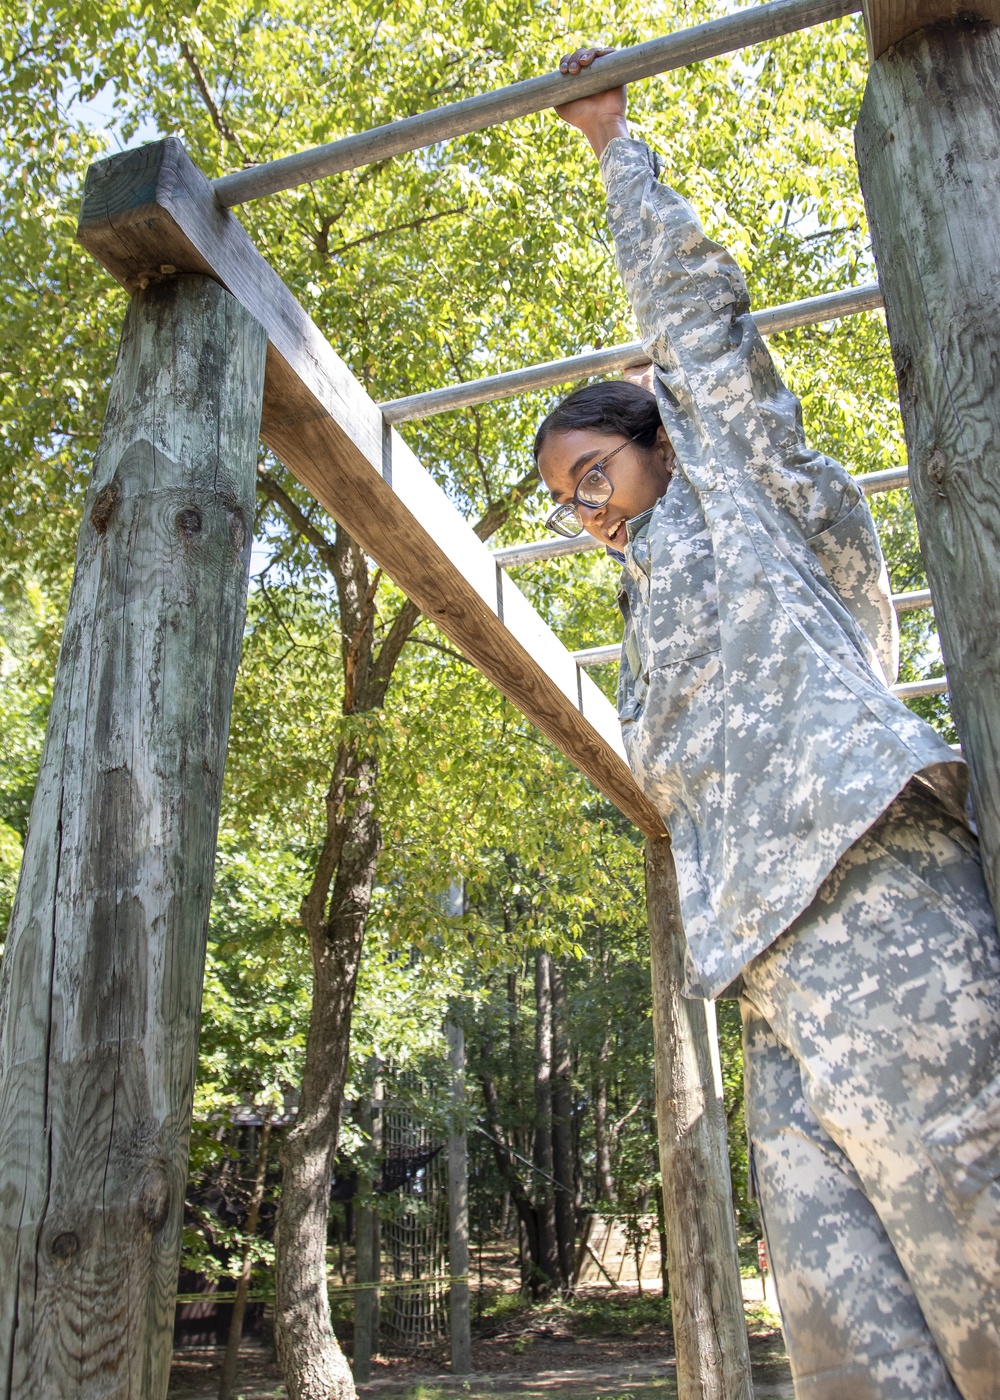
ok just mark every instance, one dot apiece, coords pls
pixel 617 537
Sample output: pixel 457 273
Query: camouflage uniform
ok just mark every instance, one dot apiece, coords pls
pixel 759 640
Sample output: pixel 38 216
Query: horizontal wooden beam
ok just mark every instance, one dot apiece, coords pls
pixel 889 21
pixel 150 214
pixel 753 25
pixel 615 358
pixel 556 546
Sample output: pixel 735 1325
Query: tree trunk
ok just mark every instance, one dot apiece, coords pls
pixel 928 145
pixel 562 1130
pixel 604 1184
pixel 544 1196
pixel 231 1359
pixel 458 1211
pixel 102 977
pixel 713 1360
pixel 312 1363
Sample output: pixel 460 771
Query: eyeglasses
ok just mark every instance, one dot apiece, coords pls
pixel 595 490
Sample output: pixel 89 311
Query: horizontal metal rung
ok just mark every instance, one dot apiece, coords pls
pixel 555 546
pixel 754 24
pixel 788 316
pixel 902 602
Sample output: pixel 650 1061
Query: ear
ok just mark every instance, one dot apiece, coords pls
pixel 663 445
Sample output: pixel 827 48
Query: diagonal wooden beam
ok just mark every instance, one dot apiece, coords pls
pixel 149 214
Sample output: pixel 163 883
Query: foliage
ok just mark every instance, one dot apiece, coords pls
pixel 478 255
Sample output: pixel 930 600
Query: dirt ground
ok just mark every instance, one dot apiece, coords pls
pixel 531 1357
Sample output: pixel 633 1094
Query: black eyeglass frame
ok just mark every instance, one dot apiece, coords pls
pixel 568 511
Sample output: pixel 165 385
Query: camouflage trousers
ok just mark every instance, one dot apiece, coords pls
pixel 872 1057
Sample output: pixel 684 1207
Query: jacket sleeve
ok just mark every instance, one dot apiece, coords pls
pixel 731 420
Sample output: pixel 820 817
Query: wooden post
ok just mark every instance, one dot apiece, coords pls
pixel 710 1338
pixel 928 147
pixel 458 1210
pixel 368 1243
pixel 102 977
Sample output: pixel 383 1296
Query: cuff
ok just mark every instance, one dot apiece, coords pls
pixel 626 155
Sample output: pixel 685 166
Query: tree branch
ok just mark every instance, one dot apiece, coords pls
pixel 439 646
pixel 218 120
pixel 395 228
pixel 274 491
pixel 498 513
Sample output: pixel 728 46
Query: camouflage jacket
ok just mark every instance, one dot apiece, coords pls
pixel 759 632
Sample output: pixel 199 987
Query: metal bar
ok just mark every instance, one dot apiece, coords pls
pixel 555 546
pixel 892 479
pixel 902 602
pixel 908 602
pixel 738 30
pixel 912 690
pixel 790 315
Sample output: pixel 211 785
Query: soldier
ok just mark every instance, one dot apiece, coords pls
pixel 828 873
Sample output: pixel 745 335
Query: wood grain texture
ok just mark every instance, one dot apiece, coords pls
pixel 460 1317
pixel 103 971
pixel 713 1358
pixel 928 145
pixel 152 208
pixel 887 22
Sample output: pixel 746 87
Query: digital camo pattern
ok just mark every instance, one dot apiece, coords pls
pixel 872 1055
pixel 851 1324
pixel 757 608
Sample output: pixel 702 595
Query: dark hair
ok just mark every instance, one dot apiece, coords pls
pixel 615 406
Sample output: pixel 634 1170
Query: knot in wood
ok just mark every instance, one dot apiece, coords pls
pixel 154 1197
pixel 104 506
pixel 65 1245
pixel 188 522
pixel 937 471
pixel 237 528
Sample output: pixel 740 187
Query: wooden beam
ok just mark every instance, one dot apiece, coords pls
pixel 710 1335
pixel 743 27
pixel 150 213
pixel 928 146
pixel 888 22
pixel 105 957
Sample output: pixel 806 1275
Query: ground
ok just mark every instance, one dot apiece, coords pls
pixel 602 1347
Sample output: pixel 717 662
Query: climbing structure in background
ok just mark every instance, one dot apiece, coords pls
pixel 414 1227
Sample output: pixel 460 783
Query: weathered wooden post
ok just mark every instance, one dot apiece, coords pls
pixel 102 977
pixel 458 1210
pixel 710 1338
pixel 928 147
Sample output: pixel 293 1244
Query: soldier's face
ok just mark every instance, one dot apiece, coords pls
pixel 639 477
